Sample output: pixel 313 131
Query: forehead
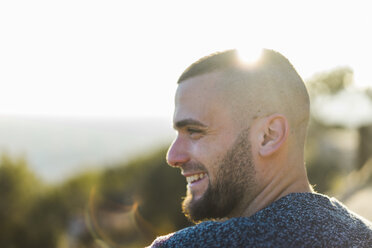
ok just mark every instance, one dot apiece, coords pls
pixel 200 98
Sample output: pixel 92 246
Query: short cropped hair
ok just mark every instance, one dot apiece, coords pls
pixel 230 59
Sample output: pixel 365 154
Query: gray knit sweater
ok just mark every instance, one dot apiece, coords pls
pixel 296 220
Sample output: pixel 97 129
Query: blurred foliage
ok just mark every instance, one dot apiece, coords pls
pixel 365 145
pixel 322 167
pixel 327 161
pixel 33 214
pixel 128 204
pixel 330 82
pixel 18 190
pixel 153 192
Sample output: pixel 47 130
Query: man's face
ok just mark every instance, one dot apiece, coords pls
pixel 212 153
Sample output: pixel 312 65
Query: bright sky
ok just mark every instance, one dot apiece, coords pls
pixel 112 58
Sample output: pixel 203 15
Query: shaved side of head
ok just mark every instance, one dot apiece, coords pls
pixel 269 86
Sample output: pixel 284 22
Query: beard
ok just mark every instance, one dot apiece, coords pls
pixel 234 179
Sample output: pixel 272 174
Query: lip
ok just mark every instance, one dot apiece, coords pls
pixel 197 187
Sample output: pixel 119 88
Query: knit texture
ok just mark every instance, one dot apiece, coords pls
pixel 296 220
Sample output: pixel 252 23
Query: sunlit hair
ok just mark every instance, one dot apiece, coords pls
pixel 230 59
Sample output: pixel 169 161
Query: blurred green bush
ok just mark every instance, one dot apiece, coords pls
pixel 127 205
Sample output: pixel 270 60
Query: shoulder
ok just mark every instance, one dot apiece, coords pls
pixel 320 221
pixel 296 220
pixel 209 234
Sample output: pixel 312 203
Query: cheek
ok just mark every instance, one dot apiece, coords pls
pixel 209 153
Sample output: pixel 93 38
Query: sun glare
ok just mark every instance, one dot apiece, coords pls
pixel 249 55
pixel 361 78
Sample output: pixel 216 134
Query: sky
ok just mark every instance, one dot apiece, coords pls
pixel 121 59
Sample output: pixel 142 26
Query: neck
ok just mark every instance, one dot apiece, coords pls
pixel 279 185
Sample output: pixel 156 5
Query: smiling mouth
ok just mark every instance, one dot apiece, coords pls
pixel 195 177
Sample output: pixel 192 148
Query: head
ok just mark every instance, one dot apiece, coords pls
pixel 240 127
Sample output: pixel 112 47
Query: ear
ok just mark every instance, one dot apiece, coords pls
pixel 273 134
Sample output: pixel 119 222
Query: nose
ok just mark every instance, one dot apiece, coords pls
pixel 177 153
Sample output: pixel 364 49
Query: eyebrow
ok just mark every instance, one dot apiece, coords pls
pixel 188 122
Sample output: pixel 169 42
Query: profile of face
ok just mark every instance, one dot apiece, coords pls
pixel 212 153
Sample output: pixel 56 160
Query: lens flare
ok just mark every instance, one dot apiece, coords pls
pixel 103 224
pixel 249 55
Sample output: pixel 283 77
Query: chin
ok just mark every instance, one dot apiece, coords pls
pixel 189 208
pixel 213 204
pixel 199 208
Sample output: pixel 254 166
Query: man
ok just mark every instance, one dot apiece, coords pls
pixel 240 144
